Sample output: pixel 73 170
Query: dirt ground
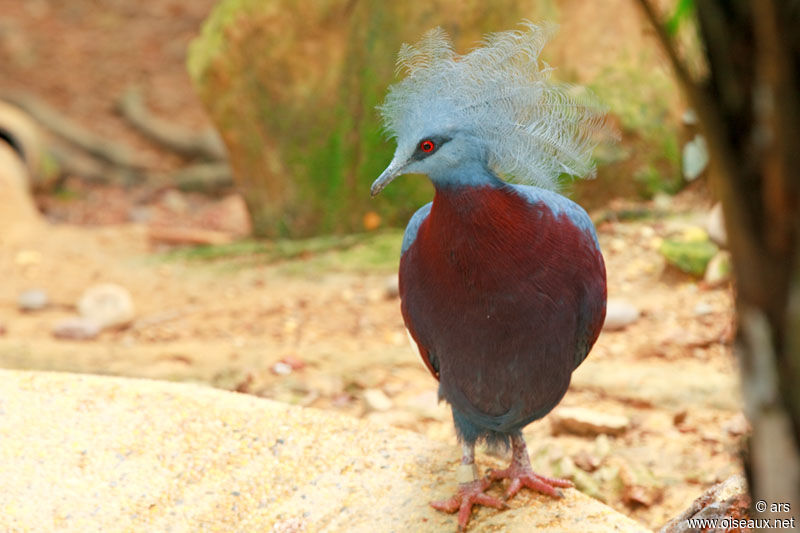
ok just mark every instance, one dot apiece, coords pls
pixel 339 334
pixel 332 326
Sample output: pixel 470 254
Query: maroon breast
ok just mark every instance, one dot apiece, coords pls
pixel 504 297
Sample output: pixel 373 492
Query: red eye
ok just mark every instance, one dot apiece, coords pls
pixel 427 146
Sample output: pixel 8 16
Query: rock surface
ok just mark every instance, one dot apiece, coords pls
pixel 715 226
pixel 107 304
pixel 728 499
pixel 377 400
pixel 645 384
pixel 719 269
pixel 695 157
pixel 582 421
pixel 620 313
pixel 92 453
pixel 76 328
pixel 283 118
pixel 32 300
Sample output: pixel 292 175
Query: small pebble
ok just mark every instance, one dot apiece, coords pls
pixel 32 300
pixel 719 269
pixel 602 446
pixel 282 369
pixel 702 309
pixel 737 425
pixel 620 313
pixel 140 214
pixel 392 288
pixel 695 157
pixel 76 328
pixel 377 400
pixel 617 245
pixel 586 461
pixel 715 226
pixel 107 305
pixel 662 201
pixel 175 201
pixel 647 232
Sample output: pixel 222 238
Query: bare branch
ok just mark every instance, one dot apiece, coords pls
pixel 111 152
pixel 187 143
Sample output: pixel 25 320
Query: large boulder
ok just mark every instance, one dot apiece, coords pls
pixel 20 161
pixel 292 88
pixel 91 453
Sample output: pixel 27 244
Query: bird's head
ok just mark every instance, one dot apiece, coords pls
pixel 444 156
pixel 461 119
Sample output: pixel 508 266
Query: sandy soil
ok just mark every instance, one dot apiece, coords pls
pixel 228 322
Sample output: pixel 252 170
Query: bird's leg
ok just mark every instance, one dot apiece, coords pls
pixel 521 474
pixel 471 489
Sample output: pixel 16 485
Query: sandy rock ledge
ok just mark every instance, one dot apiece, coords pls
pixel 92 453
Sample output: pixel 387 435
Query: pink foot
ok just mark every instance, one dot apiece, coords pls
pixel 521 474
pixel 468 495
pixel 524 476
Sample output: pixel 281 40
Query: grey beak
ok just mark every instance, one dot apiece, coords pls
pixel 391 172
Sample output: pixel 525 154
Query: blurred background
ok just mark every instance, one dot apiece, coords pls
pixel 184 195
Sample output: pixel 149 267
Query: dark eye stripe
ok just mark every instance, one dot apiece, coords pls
pixel 428 146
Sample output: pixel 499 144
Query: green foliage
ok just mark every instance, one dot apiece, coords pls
pixel 625 214
pixel 355 252
pixel 378 252
pixel 66 195
pixel 204 50
pixel 50 169
pixel 651 180
pixel 640 98
pixel 689 256
pixel 684 10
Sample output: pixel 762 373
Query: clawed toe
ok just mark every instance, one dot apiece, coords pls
pixel 468 494
pixel 525 477
pixel 519 473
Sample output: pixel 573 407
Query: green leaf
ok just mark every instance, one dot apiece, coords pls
pixel 683 11
pixel 690 256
